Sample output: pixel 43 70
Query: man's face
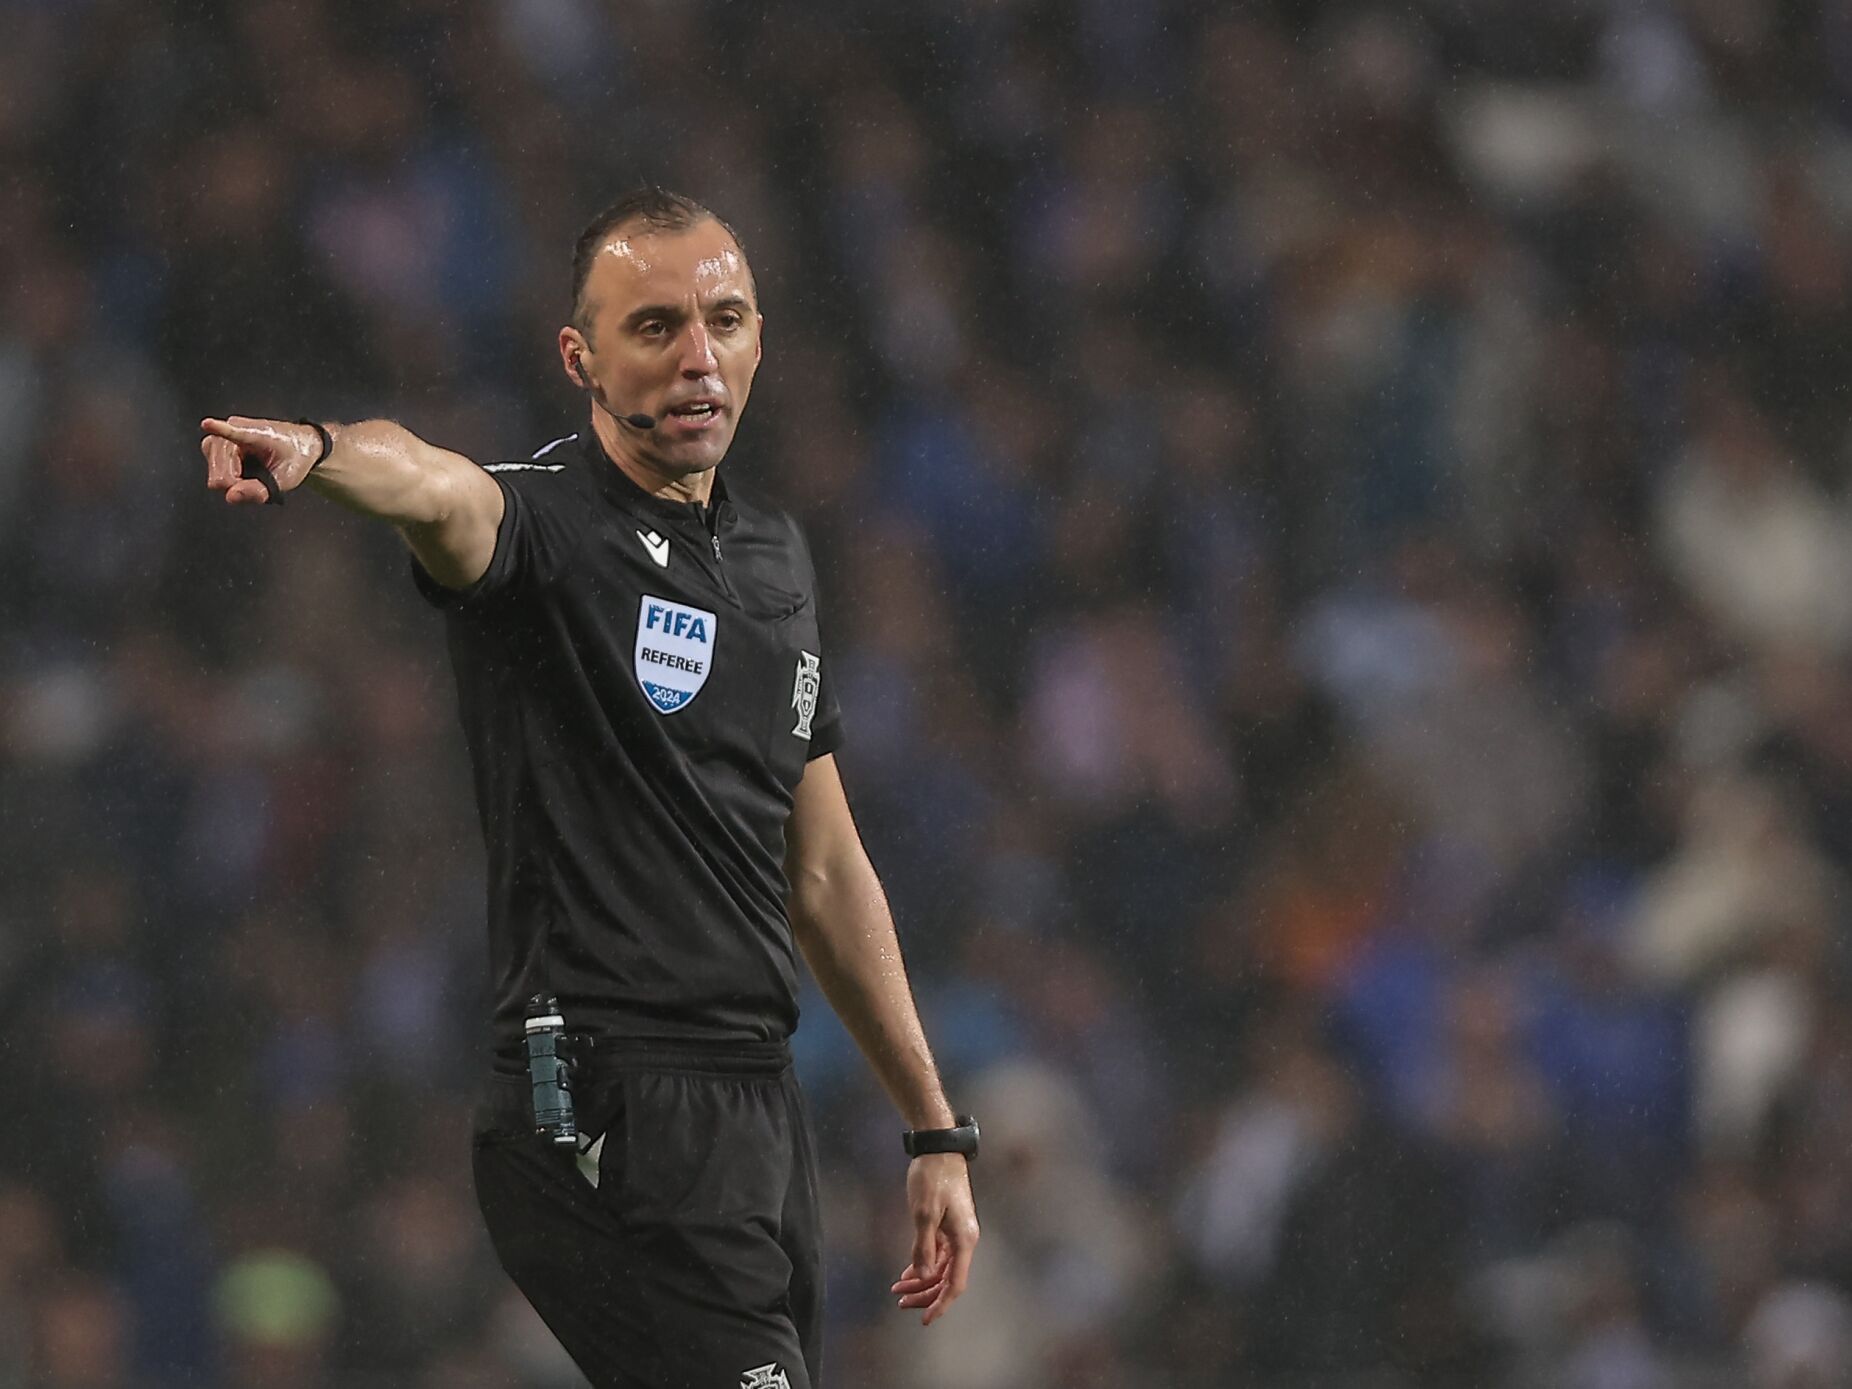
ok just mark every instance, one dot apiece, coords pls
pixel 674 332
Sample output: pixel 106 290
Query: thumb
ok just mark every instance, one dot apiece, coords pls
pixel 925 1243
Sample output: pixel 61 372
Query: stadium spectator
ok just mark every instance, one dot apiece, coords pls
pixel 1340 515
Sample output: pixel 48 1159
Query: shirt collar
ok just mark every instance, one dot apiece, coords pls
pixel 619 486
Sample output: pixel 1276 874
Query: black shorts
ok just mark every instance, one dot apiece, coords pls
pixel 696 1260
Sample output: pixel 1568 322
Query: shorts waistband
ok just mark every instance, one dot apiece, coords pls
pixel 597 1054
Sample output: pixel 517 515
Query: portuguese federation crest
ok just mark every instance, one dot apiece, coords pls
pixel 675 651
pixel 766 1376
pixel 804 692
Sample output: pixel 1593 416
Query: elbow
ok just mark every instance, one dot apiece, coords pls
pixel 809 907
pixel 438 499
pixel 800 907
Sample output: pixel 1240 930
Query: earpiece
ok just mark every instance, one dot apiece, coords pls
pixel 639 420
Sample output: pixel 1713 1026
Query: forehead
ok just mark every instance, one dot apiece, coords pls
pixel 640 265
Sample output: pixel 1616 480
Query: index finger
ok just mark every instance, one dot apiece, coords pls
pixel 239 429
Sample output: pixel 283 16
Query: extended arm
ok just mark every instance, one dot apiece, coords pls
pixel 445 507
pixel 840 918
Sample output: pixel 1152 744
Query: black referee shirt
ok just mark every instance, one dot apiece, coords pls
pixel 641 685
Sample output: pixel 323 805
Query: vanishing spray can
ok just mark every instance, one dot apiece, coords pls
pixel 546 1069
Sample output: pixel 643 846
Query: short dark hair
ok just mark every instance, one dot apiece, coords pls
pixel 657 209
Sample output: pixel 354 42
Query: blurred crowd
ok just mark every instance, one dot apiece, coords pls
pixel 1337 559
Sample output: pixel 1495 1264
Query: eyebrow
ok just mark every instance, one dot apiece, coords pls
pixel 674 313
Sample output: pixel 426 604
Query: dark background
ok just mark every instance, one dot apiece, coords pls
pixel 1334 532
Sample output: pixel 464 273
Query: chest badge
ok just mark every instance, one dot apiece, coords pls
pixel 675 651
pixel 804 692
pixel 657 545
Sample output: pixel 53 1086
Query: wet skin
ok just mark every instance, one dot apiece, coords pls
pixel 670 324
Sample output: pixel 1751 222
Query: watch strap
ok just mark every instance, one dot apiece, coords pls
pixel 321 432
pixel 960 1139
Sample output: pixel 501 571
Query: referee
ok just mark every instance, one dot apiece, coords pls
pixel 652 728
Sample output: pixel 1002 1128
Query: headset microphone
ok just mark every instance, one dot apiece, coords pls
pixel 639 420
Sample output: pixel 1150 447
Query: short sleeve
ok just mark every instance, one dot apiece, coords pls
pixel 543 524
pixel 826 726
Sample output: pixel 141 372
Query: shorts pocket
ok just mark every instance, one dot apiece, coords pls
pixel 703 1150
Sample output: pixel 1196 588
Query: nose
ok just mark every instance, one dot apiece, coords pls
pixel 698 352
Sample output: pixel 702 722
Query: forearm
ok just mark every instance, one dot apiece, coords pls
pixel 383 470
pixel 847 935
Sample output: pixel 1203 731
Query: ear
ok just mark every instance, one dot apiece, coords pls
pixel 573 347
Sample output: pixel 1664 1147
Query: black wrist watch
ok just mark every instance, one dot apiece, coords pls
pixel 321 432
pixel 962 1139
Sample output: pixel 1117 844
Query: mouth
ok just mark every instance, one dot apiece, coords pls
pixel 693 416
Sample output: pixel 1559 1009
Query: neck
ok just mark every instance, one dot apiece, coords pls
pixel 623 446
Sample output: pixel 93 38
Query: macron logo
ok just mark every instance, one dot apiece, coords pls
pixel 657 545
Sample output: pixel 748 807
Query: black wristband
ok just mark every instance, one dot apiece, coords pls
pixel 962 1139
pixel 327 441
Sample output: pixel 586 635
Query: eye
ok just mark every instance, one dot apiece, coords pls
pixel 652 328
pixel 728 320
